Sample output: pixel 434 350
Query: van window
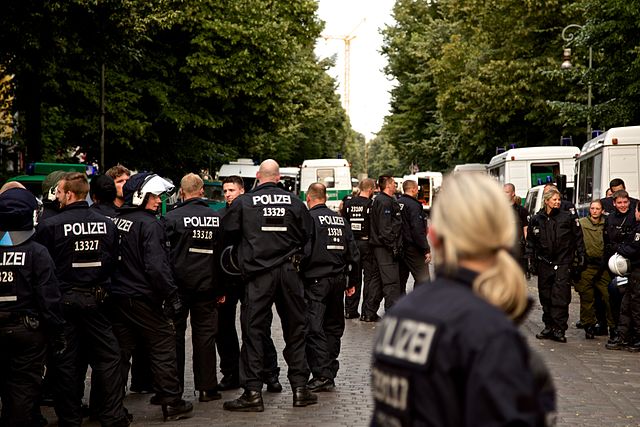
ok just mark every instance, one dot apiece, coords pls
pixel 543 173
pixel 326 177
pixel 424 191
pixel 585 181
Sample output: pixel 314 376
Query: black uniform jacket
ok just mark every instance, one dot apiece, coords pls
pixel 357 211
pixel 83 245
pixel 28 284
pixel 629 247
pixel 445 357
pixel 555 238
pixel 334 250
pixel 143 269
pixel 269 225
pixel 386 222
pixel 106 209
pixel 414 225
pixel 194 233
pixel 618 227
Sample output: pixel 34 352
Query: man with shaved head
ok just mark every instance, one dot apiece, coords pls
pixel 271 230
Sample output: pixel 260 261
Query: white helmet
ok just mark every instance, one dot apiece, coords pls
pixel 619 265
pixel 152 184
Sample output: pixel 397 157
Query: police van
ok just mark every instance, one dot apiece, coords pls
pixel 335 174
pixel 244 168
pixel 36 173
pixel 471 168
pixel 531 166
pixel 428 185
pixel 612 154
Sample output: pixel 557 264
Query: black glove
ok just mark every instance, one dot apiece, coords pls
pixel 59 343
pixel 173 307
pixel 531 267
pixel 582 263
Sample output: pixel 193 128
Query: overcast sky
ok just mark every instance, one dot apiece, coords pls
pixel 369 100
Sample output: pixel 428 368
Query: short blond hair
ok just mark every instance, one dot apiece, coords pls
pixel 191 183
pixel 484 228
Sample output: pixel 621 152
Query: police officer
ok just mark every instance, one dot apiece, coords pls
pixel 120 175
pixel 30 309
pixel 628 329
pixel 416 252
pixel 145 297
pixel 194 235
pixel 386 243
pixel 272 229
pixel 102 190
pixel 334 254
pixel 83 245
pixel 50 204
pixel 522 224
pixel 227 339
pixel 467 364
pixel 553 241
pixel 356 212
pixel 618 226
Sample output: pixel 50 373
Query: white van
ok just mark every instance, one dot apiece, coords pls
pixel 244 168
pixel 479 168
pixel 428 184
pixel 335 174
pixel 612 154
pixel 531 166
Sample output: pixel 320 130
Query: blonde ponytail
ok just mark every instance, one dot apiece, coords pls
pixel 483 226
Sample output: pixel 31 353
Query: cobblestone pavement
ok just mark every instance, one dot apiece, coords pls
pixel 596 387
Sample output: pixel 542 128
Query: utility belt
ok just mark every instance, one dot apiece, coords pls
pixel 8 318
pixel 99 292
pixel 296 261
pixel 549 263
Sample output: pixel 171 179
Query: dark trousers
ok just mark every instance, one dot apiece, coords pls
pixel 22 357
pixel 554 291
pixel 282 285
pixel 138 319
pixel 629 320
pixel 229 345
pixel 366 262
pixel 141 376
pixel 325 324
pixel 204 327
pixel 386 283
pixel 413 262
pixel 90 339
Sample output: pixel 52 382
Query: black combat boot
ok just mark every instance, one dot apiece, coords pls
pixel 589 332
pixel 303 397
pixel 177 410
pixel 209 395
pixel 558 336
pixel 616 343
pixel 249 401
pixel 229 382
pixel 321 384
pixel 545 334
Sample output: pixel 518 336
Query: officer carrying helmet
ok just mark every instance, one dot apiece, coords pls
pixel 145 297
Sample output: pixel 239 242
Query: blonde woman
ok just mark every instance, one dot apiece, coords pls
pixel 554 239
pixel 449 354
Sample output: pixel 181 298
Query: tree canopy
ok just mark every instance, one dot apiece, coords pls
pixel 476 75
pixel 188 84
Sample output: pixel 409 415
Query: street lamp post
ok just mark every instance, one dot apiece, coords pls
pixel 568 35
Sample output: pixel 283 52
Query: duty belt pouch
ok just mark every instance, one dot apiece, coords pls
pixel 100 294
pixel 30 322
pixel 80 298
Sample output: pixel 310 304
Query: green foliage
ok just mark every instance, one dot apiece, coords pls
pixel 473 75
pixel 189 84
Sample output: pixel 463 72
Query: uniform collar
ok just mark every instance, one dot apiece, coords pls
pixel 193 201
pixel 321 205
pixel 462 275
pixel 265 185
pixel 82 204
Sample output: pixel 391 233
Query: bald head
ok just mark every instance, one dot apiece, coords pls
pixel 269 171
pixel 191 186
pixel 10 185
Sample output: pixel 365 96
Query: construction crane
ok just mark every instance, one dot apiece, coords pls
pixel 346 39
